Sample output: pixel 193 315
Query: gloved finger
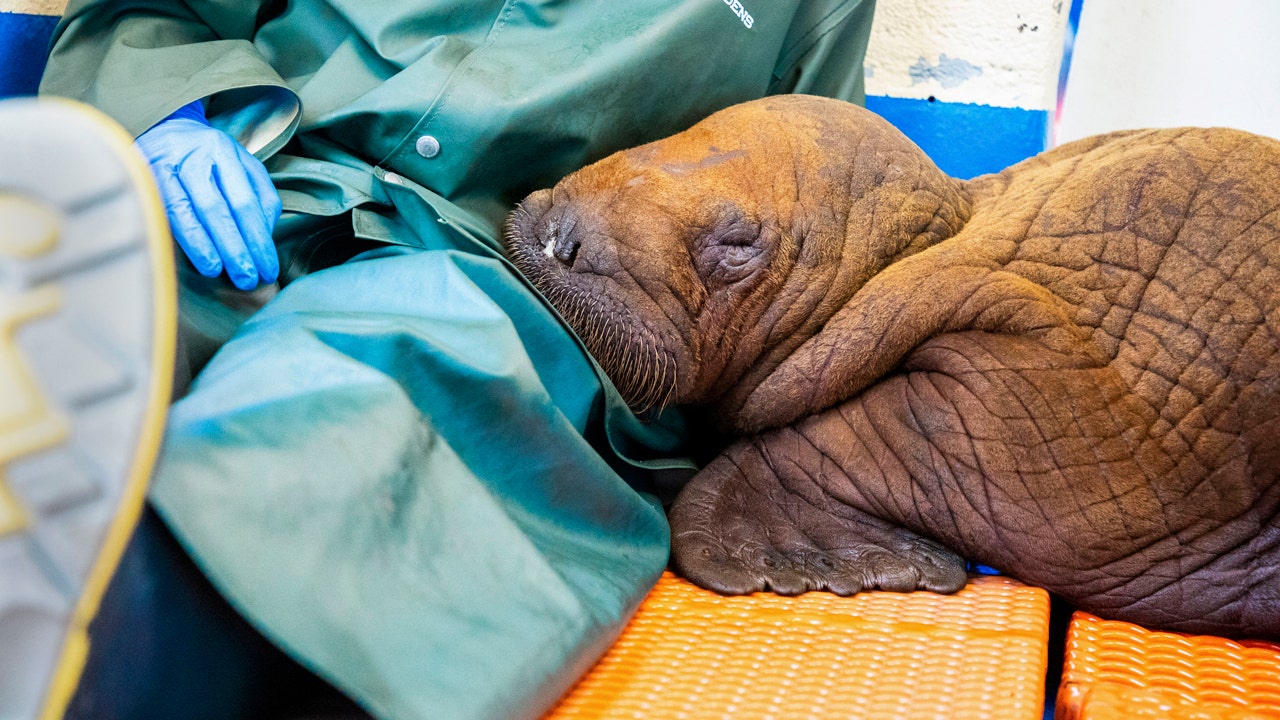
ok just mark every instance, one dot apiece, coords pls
pixel 199 179
pixel 250 215
pixel 187 230
pixel 262 185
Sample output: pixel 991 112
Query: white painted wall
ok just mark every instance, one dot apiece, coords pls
pixel 1166 63
pixel 34 7
pixel 1005 53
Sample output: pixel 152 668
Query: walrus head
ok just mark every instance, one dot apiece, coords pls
pixel 692 266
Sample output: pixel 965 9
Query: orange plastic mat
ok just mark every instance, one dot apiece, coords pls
pixel 690 653
pixel 1115 670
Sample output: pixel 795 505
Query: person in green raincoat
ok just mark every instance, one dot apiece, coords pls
pixel 404 469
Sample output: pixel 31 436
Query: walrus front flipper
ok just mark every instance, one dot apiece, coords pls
pixel 758 519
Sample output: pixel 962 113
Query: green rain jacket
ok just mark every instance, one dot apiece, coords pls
pixel 405 470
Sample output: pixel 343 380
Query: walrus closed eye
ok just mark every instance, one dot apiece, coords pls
pixel 1069 370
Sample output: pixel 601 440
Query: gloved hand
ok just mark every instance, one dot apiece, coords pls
pixel 222 206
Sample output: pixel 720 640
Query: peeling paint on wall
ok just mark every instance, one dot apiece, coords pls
pixel 976 71
pixel 949 72
pixel 1004 54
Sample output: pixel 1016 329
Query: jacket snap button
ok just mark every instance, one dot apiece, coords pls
pixel 427 146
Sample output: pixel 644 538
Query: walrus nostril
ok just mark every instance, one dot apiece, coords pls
pixel 559 241
pixel 566 249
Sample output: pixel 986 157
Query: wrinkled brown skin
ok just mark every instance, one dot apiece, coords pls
pixel 1068 370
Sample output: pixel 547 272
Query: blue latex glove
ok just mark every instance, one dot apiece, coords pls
pixel 222 206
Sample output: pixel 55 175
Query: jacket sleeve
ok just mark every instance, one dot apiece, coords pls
pixel 825 49
pixel 139 60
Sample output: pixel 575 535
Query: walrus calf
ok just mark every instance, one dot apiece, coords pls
pixel 1068 370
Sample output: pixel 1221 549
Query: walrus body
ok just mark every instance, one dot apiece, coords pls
pixel 1069 370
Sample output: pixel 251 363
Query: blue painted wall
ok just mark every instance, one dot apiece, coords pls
pixel 24 40
pixel 973 83
pixel 967 140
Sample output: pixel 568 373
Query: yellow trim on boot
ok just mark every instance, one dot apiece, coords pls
pixel 164 338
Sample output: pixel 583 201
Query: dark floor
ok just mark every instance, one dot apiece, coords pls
pixel 1059 618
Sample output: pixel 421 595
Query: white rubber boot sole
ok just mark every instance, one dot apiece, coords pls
pixel 87 332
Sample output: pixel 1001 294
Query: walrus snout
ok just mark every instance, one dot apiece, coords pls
pixel 569 249
pixel 520 237
pixel 538 230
